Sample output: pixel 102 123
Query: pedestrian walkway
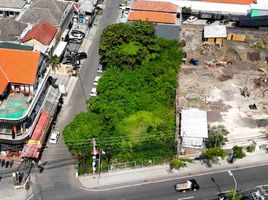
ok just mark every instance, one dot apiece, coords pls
pixel 149 174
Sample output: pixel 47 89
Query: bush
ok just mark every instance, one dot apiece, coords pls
pixel 250 148
pixel 178 163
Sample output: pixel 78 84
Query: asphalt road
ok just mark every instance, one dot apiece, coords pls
pixel 164 190
pixel 57 180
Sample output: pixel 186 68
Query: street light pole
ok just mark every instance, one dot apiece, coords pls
pixel 231 174
pixel 99 166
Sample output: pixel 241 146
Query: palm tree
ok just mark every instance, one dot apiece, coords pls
pixel 54 61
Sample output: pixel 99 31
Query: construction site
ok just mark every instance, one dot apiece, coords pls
pixel 228 80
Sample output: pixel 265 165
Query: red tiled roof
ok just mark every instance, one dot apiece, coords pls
pixel 18 66
pixel 156 6
pixel 232 1
pixel 42 32
pixel 155 17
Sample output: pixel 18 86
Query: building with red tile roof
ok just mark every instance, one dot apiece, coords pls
pixel 246 2
pixel 42 32
pixel 154 17
pixel 155 6
pixel 18 67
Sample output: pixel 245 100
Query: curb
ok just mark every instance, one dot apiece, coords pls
pixel 160 173
pixel 174 176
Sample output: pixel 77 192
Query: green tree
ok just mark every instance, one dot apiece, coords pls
pixel 128 44
pixel 238 153
pixel 217 137
pixel 54 61
pixel 213 153
pixel 238 195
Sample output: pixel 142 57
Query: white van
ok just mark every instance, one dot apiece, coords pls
pixel 97 78
pixel 93 92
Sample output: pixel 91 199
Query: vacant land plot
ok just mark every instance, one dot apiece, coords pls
pixel 229 82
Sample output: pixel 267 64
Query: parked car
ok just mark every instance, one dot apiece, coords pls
pixel 75 40
pixel 77 32
pixel 67 60
pixel 224 22
pixel 210 21
pixel 80 55
pixel 191 19
pixel 187 185
pixel 93 92
pixel 97 78
pixel 100 67
pixel 54 137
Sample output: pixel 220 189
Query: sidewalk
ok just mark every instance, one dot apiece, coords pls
pixel 151 174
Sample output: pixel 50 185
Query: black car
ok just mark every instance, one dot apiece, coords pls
pixel 210 21
pixel 80 55
pixel 224 22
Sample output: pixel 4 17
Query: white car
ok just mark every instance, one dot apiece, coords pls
pixel 191 19
pixel 93 92
pixel 54 137
pixel 97 78
pixel 99 70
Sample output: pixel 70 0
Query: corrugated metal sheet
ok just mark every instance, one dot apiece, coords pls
pixel 194 123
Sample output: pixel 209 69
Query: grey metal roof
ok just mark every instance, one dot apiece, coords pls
pixel 12 3
pixel 10 29
pixel 194 123
pixel 215 31
pixel 167 31
pixel 50 11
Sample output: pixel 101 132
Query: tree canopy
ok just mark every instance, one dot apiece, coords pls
pixel 128 45
pixel 133 117
pixel 217 137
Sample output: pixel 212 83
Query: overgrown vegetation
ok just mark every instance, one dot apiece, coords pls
pixel 178 163
pixel 212 155
pixel 217 137
pixel 133 117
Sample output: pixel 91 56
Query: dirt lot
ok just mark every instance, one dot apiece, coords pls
pixel 217 87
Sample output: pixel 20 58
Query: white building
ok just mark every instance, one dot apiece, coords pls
pixel 194 128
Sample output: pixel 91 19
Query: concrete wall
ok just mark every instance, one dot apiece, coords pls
pixel 192 142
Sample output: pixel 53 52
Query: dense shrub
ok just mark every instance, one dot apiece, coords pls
pixel 133 117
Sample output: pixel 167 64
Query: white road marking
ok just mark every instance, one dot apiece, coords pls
pixel 30 197
pixel 186 198
pixel 171 179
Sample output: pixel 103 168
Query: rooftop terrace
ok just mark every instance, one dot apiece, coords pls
pixel 14 106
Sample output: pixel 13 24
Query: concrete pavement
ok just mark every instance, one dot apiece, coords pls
pixel 130 177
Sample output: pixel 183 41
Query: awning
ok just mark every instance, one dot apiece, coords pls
pixel 31 151
pixel 33 148
pixel 60 49
pixel 39 130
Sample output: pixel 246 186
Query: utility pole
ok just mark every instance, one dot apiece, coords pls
pixel 94 154
pixel 99 169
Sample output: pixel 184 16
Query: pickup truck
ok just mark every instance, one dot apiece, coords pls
pixel 187 185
